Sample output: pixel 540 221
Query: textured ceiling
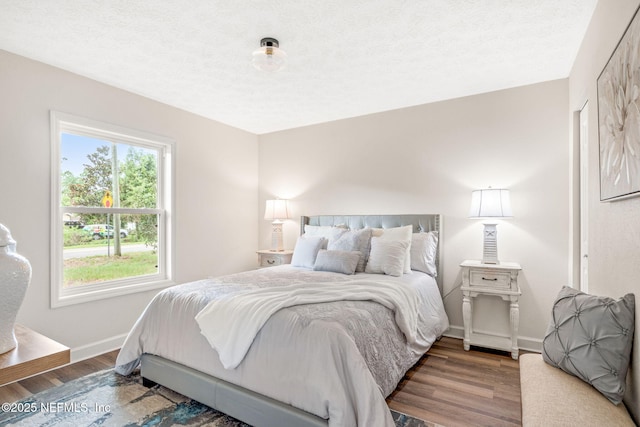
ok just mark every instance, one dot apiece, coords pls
pixel 346 58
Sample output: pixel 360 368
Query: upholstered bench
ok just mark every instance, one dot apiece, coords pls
pixel 551 397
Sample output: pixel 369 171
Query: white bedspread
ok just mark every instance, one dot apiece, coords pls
pixel 337 360
pixel 244 314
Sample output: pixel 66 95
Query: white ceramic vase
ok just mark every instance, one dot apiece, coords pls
pixel 15 275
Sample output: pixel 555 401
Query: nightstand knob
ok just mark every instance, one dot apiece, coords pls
pixel 495 279
pixel 271 261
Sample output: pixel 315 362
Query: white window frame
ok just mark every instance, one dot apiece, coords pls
pixel 68 123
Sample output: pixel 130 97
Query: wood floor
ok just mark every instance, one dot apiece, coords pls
pixel 448 386
pixel 453 387
pixel 25 388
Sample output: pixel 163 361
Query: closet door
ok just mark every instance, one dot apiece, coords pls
pixel 584 198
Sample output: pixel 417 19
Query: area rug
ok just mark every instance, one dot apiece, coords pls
pixel 108 399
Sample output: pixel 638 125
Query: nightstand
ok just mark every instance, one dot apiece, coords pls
pixel 500 280
pixel 267 258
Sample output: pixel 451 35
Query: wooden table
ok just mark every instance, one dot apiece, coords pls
pixel 34 354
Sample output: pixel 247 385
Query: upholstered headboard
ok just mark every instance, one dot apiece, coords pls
pixel 420 222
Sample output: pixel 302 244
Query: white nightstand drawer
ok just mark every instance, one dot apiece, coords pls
pixel 270 258
pixel 490 279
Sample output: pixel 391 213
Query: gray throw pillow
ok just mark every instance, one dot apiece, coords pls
pixel 344 262
pixel 353 240
pixel 590 337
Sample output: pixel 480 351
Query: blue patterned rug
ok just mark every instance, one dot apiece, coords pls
pixel 108 399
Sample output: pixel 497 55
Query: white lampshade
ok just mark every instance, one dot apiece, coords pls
pixel 269 57
pixel 490 203
pixel 276 209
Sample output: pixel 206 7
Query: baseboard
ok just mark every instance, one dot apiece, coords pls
pixel 530 344
pixel 524 343
pixel 455 332
pixel 97 348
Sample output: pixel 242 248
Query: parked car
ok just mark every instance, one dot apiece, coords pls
pixel 102 231
pixel 74 224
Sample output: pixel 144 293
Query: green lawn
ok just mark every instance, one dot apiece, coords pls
pixel 95 269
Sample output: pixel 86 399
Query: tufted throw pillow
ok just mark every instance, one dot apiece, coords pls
pixel 590 337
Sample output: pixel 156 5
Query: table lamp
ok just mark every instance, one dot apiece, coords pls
pixel 490 204
pixel 276 211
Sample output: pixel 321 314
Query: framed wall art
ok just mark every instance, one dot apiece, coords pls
pixel 619 118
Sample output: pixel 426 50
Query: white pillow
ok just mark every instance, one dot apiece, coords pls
pixel 424 247
pixel 353 240
pixel 398 233
pixel 344 262
pixel 326 231
pixel 306 250
pixel 387 256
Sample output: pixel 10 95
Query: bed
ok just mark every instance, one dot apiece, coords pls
pixel 309 362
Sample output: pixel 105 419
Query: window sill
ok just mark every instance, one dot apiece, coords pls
pixel 105 293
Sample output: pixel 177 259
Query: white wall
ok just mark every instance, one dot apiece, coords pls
pixel 427 159
pixel 614 227
pixel 216 192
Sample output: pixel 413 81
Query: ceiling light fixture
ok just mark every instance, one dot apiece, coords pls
pixel 269 57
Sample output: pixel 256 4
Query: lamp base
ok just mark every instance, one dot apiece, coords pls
pixel 490 245
pixel 277 244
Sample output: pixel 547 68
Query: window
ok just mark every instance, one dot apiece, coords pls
pixel 111 210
